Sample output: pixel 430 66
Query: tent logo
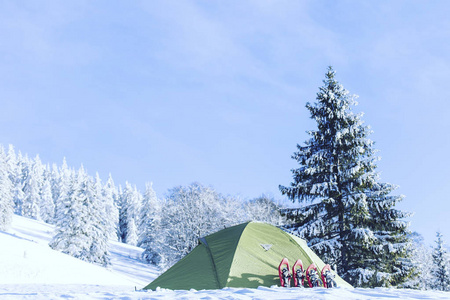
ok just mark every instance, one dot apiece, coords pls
pixel 266 246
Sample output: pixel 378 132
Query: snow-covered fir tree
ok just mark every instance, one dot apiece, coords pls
pixel 63 186
pixel 98 220
pixel 32 189
pixel 348 216
pixel 47 206
pixel 73 233
pixel 12 165
pixel 110 196
pixel 22 170
pixel 441 268
pixel 55 183
pixel 118 204
pixel 15 176
pixel 6 196
pixel 130 200
pixel 149 222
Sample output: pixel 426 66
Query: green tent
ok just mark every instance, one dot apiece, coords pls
pixel 245 255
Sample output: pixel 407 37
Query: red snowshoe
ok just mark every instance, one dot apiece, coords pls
pixel 283 272
pixel 328 277
pixel 298 273
pixel 313 276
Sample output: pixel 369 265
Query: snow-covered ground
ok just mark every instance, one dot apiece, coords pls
pixel 29 269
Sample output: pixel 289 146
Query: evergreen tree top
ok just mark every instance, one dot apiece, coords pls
pixel 440 243
pixel 333 93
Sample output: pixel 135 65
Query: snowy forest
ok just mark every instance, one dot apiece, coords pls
pixel 344 212
pixel 88 213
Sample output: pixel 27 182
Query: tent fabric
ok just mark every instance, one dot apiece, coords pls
pixel 245 255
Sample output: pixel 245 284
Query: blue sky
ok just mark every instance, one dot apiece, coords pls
pixel 214 91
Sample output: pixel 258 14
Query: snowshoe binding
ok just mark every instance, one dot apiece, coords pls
pixel 283 272
pixel 328 277
pixel 298 273
pixel 313 276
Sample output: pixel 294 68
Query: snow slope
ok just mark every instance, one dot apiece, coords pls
pixel 29 259
pixel 29 269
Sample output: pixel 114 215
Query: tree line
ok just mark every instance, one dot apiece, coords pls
pixel 88 213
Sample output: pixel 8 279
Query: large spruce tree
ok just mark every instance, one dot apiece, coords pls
pixel 347 216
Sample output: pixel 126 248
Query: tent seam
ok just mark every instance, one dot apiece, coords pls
pixel 213 263
pixel 234 253
pixel 235 250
